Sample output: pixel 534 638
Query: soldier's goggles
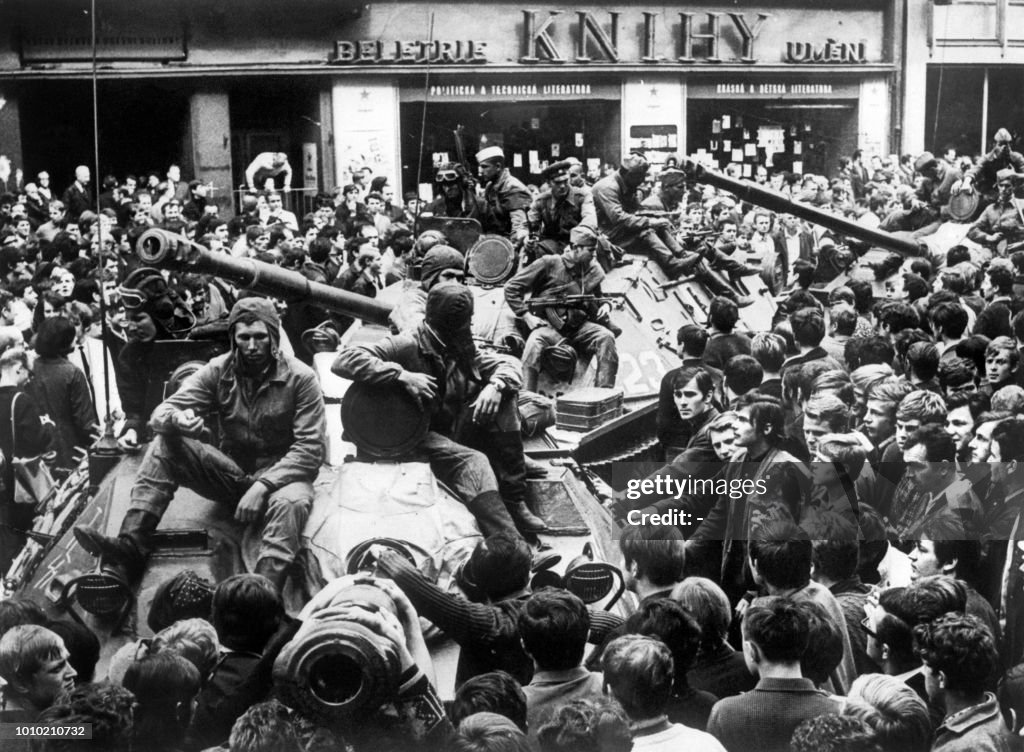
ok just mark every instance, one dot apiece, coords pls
pixel 447 176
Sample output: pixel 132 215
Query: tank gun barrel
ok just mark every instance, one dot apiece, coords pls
pixel 165 250
pixel 755 194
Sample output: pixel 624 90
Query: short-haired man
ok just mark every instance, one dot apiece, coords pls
pixel 497 575
pixel 809 330
pixel 959 656
pixel 945 501
pixel 775 637
pixel 654 559
pixel 835 567
pixel 724 343
pixel 781 565
pixel 960 559
pixel 34 664
pixel 554 625
pixel 685 408
pixel 741 375
pixel 770 351
pixel 640 674
pixel 780 482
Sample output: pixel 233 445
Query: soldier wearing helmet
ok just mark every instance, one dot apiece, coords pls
pixel 586 329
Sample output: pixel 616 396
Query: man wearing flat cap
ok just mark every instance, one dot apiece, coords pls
pixel 586 328
pixel 616 203
pixel 560 208
pixel 474 444
pixel 1000 227
pixel 505 199
pixel 271 415
pixel 984 176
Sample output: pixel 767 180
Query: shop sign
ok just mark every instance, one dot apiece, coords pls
pixel 772 90
pixel 556 37
pixel 411 51
pixel 476 90
pixel 829 52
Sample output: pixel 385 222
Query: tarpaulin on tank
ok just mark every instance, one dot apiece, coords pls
pixel 399 500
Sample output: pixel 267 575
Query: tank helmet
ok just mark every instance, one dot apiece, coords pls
pixel 449 172
pixel 559 360
pixel 146 290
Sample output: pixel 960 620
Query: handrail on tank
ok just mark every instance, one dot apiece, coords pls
pixel 166 250
pixel 769 199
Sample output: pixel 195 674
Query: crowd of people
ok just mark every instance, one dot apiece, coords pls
pixel 858 587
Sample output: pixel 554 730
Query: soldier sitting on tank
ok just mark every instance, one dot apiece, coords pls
pixel 584 328
pixel 505 199
pixel 474 445
pixel 931 199
pixel 1000 226
pixel 984 177
pixel 669 197
pixel 271 415
pixel 616 205
pixel 456 194
pixel 559 209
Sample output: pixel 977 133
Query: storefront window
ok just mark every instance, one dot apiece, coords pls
pixel 954 109
pixel 796 136
pixel 533 134
pixel 1005 106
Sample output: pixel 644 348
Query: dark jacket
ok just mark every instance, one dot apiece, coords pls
pixel 553 218
pixel 504 205
pixel 763 720
pixel 487 634
pixel 419 351
pixel 61 391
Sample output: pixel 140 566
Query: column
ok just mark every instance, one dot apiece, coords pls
pixel 10 136
pixel 652 101
pixel 366 128
pixel 873 116
pixel 210 145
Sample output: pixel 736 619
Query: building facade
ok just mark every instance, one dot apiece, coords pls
pixel 965 73
pixel 339 85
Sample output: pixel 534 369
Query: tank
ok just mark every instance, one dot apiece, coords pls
pixel 356 501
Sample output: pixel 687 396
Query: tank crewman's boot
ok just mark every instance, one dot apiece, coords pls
pixel 129 550
pixel 275 570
